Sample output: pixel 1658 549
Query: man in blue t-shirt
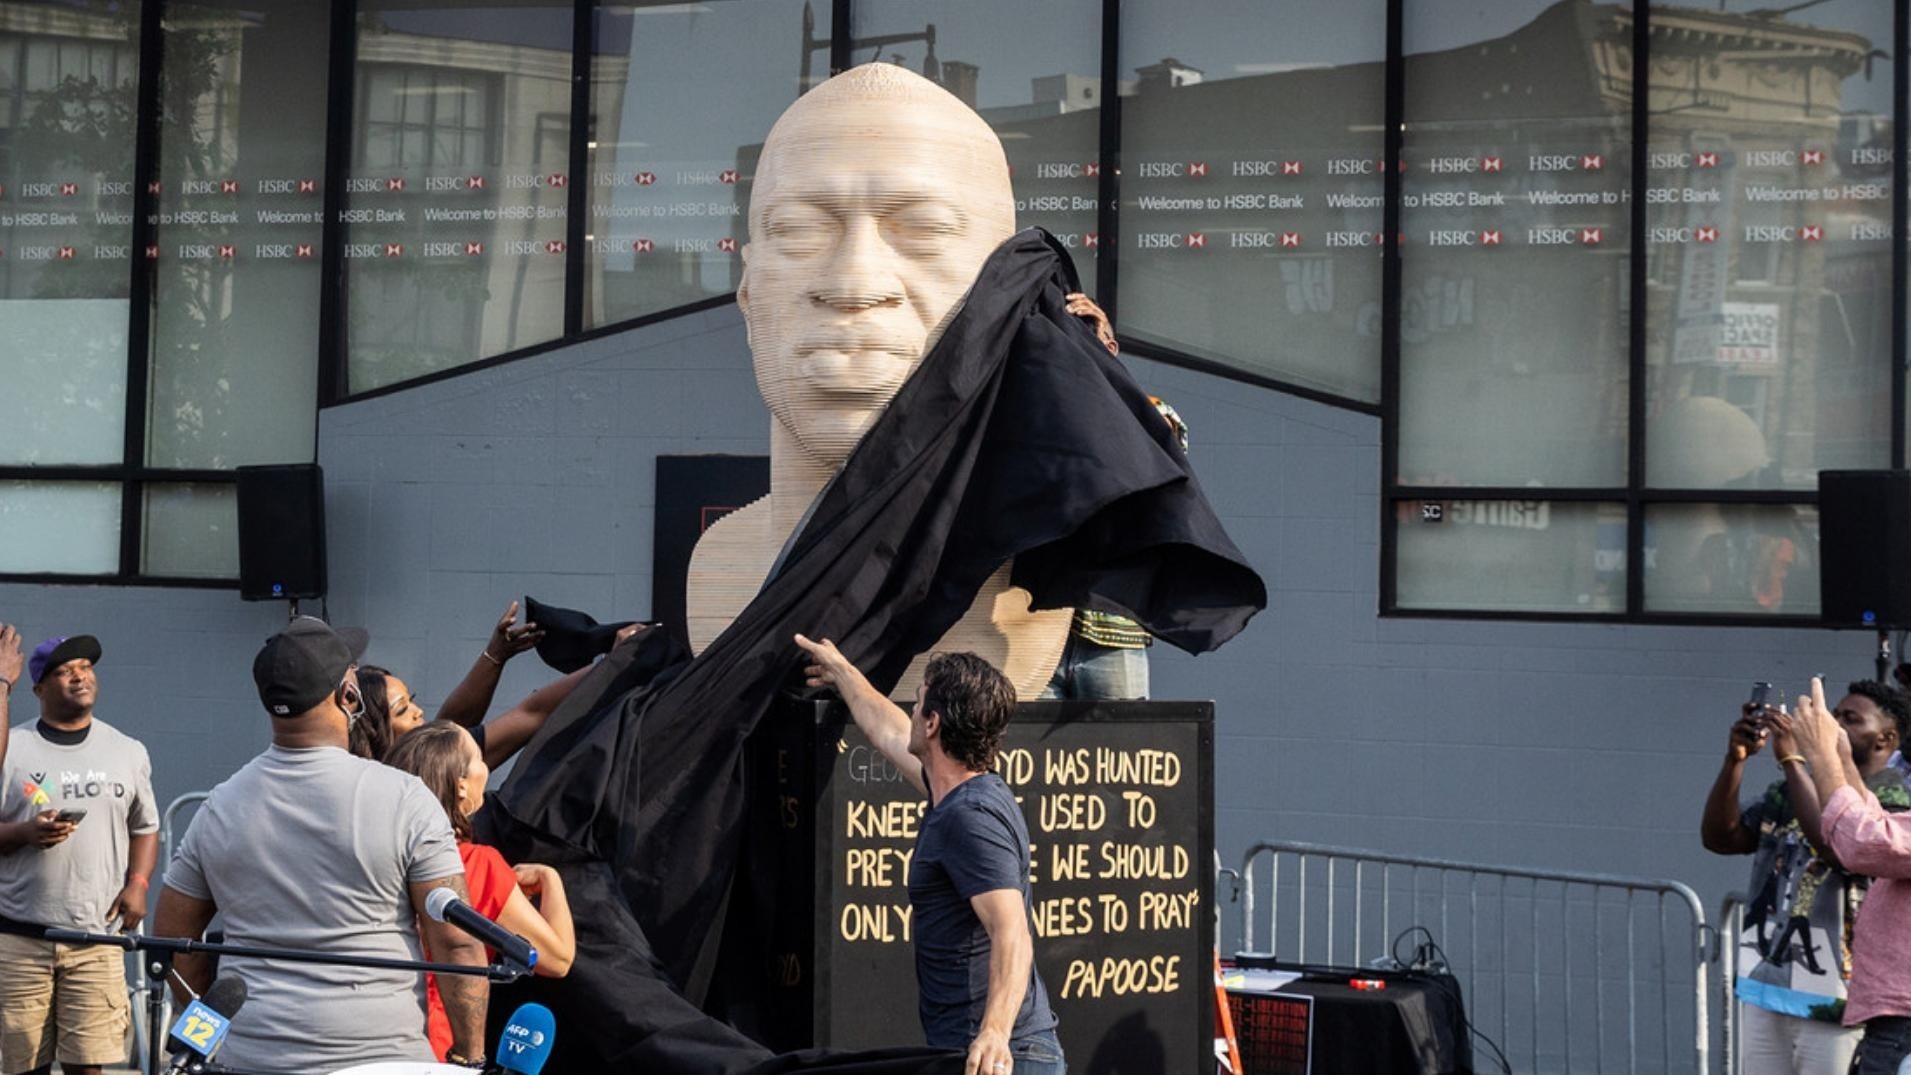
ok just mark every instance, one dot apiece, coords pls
pixel 968 880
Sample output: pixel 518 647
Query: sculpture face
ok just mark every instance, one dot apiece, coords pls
pixel 878 197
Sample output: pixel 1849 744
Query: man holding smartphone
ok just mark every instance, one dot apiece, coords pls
pixel 79 832
pixel 1794 955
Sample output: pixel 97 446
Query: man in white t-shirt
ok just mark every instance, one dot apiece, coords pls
pixel 79 832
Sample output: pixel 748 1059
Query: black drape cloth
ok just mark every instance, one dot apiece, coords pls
pixel 1018 437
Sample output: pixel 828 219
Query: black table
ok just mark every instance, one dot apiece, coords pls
pixel 1415 1023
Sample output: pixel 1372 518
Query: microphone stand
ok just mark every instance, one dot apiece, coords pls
pixel 163 949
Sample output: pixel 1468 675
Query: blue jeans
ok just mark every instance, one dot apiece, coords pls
pixel 1091 670
pixel 1039 1053
pixel 1886 1042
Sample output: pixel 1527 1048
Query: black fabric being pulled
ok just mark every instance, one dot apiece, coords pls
pixel 1018 437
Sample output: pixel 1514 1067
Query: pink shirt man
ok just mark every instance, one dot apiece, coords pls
pixel 1869 841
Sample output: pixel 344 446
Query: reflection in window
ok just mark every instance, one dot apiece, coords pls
pixel 1251 187
pixel 235 259
pixel 1510 556
pixel 458 184
pixel 669 184
pixel 1033 71
pixel 1750 559
pixel 60 528
pixel 1770 203
pixel 190 531
pixel 1515 257
pixel 68 85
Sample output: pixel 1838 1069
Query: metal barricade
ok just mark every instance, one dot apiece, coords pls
pixel 140 981
pixel 1731 927
pixel 1564 971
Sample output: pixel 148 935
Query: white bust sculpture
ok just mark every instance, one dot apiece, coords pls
pixel 877 199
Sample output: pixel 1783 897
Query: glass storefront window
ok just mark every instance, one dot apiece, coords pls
pixel 458 185
pixel 1769 197
pixel 1033 71
pixel 69 78
pixel 235 259
pixel 1510 556
pixel 191 531
pixel 669 187
pixel 1514 261
pixel 1251 187
pixel 1744 559
pixel 60 528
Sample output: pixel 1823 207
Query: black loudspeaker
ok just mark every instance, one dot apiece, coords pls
pixel 281 532
pixel 1864 560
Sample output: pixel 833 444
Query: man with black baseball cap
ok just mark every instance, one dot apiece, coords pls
pixel 79 833
pixel 310 847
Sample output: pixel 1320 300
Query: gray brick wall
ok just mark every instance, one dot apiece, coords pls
pixel 1561 745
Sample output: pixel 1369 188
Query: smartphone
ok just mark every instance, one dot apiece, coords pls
pixel 1761 696
pixel 71 815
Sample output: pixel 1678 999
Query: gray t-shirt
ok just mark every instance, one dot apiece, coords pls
pixel 315 849
pixel 107 774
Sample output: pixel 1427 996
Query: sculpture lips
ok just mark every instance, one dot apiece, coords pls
pixel 859 371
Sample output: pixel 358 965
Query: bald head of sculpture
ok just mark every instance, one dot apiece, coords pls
pixel 876 200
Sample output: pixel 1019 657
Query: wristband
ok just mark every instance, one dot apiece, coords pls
pixel 1789 758
pixel 9 685
pixel 487 656
pixel 140 877
pixel 455 1060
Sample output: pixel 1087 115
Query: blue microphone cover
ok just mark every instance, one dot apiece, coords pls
pixel 526 1042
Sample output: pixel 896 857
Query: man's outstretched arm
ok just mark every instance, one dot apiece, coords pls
pixel 881 720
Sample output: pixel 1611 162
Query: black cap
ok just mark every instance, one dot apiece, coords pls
pixel 300 665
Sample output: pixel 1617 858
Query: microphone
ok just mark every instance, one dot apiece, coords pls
pixel 201 1028
pixel 443 905
pixel 526 1042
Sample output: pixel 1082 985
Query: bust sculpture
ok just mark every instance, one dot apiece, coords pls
pixel 876 200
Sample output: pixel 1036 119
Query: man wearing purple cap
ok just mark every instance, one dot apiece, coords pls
pixel 79 831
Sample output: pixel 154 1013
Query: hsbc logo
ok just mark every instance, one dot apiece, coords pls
pixel 554 246
pixel 645 179
pixel 643 246
pixel 374 186
pixel 728 176
pixel 1262 240
pixel 454 182
pixel 1354 166
pixel 107 189
pixel 1262 169
pixel 1453 165
pixel 1355 238
pixel 228 186
pixel 1492 164
pixel 1563 236
pixel 1171 169
pixel 1812 157
pixel 1706 234
pixel 1707 159
pixel 287 186
pixel 228 251
pixel 727 245
pixel 1170 240
pixel 1783 233
pixel 1768 158
pixel 1458 237
pixel 267 251
pixel 68 253
pixel 48 190
pixel 1056 170
pixel 624 179
pixel 1074 241
pixel 68 190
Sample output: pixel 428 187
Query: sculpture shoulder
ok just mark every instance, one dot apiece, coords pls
pixel 727 567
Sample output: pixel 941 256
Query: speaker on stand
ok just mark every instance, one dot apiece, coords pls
pixel 282 533
pixel 1864 557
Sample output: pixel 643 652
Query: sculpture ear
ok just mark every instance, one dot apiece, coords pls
pixel 743 283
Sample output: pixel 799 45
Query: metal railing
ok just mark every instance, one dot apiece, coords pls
pixel 1564 971
pixel 139 980
pixel 1731 928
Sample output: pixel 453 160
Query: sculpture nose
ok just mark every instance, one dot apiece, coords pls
pixel 861 271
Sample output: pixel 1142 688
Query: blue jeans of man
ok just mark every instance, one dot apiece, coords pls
pixel 1092 670
pixel 1039 1053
